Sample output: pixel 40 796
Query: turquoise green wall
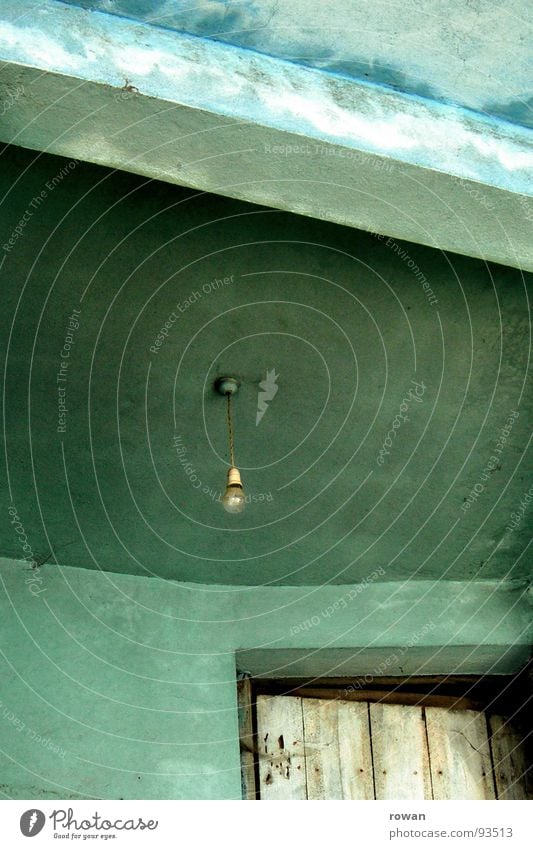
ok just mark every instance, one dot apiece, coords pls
pixel 116 686
pixel 111 671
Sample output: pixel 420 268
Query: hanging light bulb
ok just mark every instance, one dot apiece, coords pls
pixel 233 499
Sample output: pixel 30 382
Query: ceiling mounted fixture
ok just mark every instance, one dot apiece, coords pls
pixel 233 499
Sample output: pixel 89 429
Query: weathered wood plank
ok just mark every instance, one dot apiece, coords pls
pixel 393 697
pixel 338 758
pixel 246 738
pixel 509 759
pixel 280 739
pixel 400 754
pixel 459 755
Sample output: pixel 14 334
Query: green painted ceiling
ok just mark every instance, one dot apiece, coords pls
pixel 360 351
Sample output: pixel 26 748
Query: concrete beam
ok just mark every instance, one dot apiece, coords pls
pixel 224 119
pixel 389 628
pixel 380 628
pixel 395 661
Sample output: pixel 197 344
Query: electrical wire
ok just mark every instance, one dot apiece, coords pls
pixel 230 432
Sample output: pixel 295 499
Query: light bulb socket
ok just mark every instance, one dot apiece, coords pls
pixel 234 477
pixel 226 385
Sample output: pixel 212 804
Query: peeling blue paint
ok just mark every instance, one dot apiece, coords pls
pixel 449 56
pixel 515 111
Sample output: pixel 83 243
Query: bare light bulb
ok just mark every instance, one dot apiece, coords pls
pixel 233 499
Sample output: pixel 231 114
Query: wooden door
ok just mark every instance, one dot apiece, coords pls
pixel 319 749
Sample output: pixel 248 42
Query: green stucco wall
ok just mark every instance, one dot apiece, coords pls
pixel 114 680
pixel 116 686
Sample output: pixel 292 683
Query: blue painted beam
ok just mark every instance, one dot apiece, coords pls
pixel 224 119
pixel 443 50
